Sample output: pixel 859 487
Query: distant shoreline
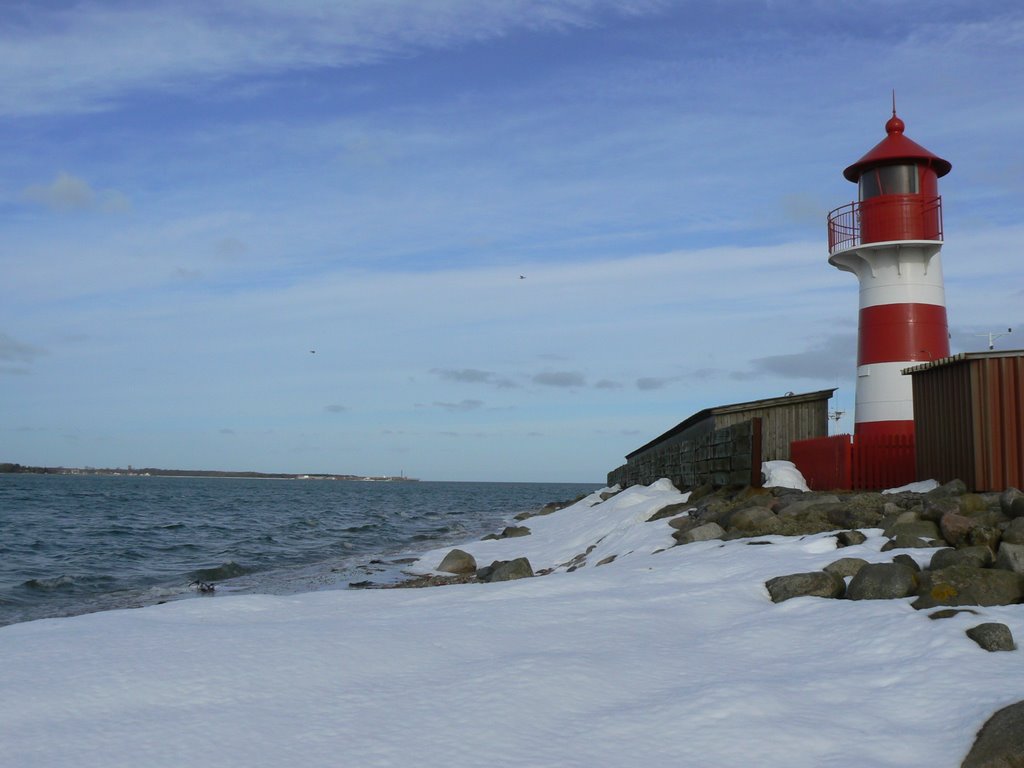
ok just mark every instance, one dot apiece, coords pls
pixel 7 468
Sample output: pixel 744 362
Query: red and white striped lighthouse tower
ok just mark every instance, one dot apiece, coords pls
pixel 890 239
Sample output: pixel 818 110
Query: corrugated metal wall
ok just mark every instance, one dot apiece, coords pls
pixel 943 424
pixel 998 405
pixel 969 421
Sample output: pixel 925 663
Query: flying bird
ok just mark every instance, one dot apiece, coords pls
pixel 312 351
pixel 522 277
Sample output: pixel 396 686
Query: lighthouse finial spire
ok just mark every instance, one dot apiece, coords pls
pixel 894 102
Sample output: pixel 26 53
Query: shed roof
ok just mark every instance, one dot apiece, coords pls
pixel 768 402
pixel 962 357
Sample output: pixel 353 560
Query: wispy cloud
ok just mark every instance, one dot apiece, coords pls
pixel 462 405
pixel 83 56
pixel 70 193
pixel 14 351
pixel 474 376
pixel 825 360
pixel 335 408
pixel 560 379
pixel 652 382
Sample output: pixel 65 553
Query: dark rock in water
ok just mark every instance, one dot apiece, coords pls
pixel 506 570
pixel 850 538
pixel 882 581
pixel 813 584
pixel 846 566
pixel 512 531
pixel 992 636
pixel 1000 742
pixel 967 585
pixel 458 561
pixel 360 584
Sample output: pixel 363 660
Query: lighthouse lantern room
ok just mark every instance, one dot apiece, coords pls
pixel 890 239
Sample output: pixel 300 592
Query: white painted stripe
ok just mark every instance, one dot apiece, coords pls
pixel 883 393
pixel 896 272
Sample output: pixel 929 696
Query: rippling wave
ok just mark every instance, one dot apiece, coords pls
pixel 75 544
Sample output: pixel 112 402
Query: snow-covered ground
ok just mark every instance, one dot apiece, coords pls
pixel 667 656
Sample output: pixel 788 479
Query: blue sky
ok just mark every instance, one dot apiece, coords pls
pixel 195 195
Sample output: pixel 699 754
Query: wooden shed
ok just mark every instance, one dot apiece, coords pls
pixel 969 419
pixel 783 420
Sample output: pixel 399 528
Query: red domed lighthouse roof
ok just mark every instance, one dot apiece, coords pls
pixel 893 148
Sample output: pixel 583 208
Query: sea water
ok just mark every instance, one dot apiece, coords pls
pixel 72 544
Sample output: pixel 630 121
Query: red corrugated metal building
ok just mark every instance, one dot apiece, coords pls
pixel 969 419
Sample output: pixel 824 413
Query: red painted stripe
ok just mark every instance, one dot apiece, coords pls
pixel 879 428
pixel 892 333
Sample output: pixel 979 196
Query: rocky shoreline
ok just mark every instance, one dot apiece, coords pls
pixel 978 560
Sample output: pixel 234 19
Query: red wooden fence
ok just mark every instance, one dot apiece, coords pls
pixel 825 462
pixel 883 461
pixel 840 462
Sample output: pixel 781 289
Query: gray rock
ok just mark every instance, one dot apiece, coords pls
pixel 952 488
pixel 922 529
pixel 850 538
pixel 846 566
pixel 973 504
pixel 1017 508
pixel 814 584
pixel 669 510
pixel 458 561
pixel 907 561
pixel 908 541
pixel 882 581
pixel 799 506
pixel 1000 742
pixel 1006 499
pixel 506 570
pixel 1013 533
pixel 980 557
pixel 861 511
pixel 935 507
pixel 1010 557
pixel 948 613
pixel 704 532
pixel 757 520
pixel 967 585
pixel 992 636
pixel 956 528
pixel 514 531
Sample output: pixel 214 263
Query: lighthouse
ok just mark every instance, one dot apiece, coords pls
pixel 890 239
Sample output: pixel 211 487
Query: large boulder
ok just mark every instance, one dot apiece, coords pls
pixel 458 562
pixel 922 529
pixel 935 507
pixel 967 585
pixel 1000 742
pixel 813 584
pixel 882 581
pixel 753 520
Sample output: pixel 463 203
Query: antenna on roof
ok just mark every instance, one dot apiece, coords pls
pixel 894 102
pixel 992 336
